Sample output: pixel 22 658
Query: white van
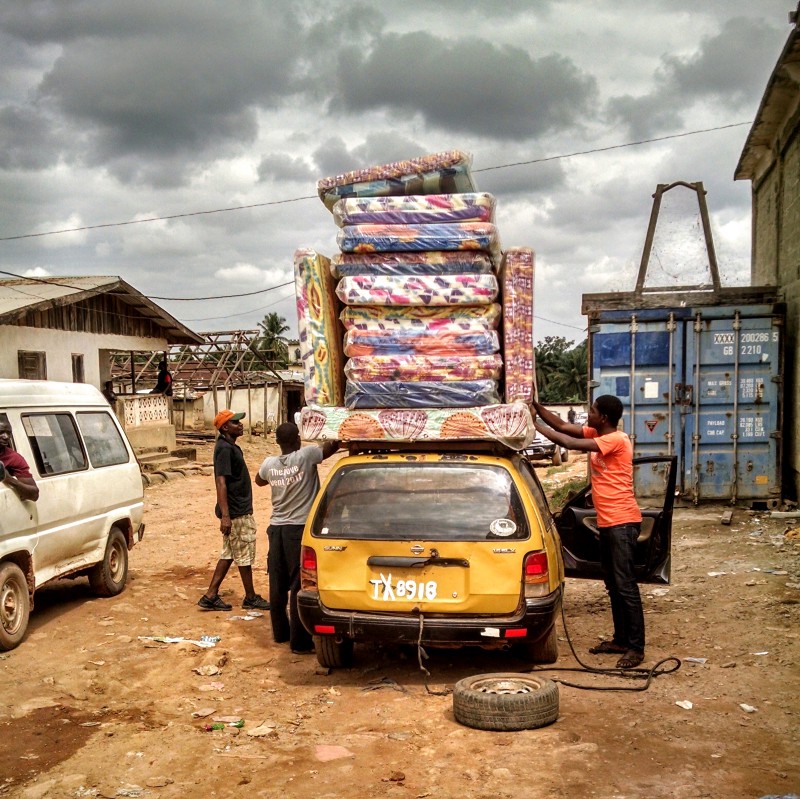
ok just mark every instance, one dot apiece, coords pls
pixel 90 506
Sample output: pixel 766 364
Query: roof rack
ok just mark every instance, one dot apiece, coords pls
pixel 477 446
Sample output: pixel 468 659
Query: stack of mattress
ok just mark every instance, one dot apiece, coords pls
pixel 424 287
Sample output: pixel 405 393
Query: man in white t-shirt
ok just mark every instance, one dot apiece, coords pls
pixel 292 476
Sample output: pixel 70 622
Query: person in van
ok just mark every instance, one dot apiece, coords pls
pixel 14 469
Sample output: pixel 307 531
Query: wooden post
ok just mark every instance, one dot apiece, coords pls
pixel 249 416
pixel 133 375
pixel 266 407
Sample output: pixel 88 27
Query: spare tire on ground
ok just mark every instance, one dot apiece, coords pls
pixel 505 702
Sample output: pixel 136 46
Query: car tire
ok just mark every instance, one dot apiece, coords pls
pixel 15 605
pixel 505 702
pixel 557 457
pixel 564 455
pixel 543 651
pixel 108 577
pixel 333 653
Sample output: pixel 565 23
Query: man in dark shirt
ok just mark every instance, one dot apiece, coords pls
pixel 235 511
pixel 14 469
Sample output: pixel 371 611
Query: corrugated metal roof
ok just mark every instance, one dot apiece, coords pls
pixel 18 296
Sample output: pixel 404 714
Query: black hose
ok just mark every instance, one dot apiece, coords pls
pixel 632 674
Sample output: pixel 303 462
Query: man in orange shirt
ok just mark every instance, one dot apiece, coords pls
pixel 618 516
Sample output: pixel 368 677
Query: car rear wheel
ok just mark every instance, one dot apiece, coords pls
pixel 15 605
pixel 505 702
pixel 543 651
pixel 333 653
pixel 564 455
pixel 108 577
pixel 557 457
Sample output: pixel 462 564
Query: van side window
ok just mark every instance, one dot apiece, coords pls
pixel 55 443
pixel 103 441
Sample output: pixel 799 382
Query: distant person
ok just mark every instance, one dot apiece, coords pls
pixel 618 516
pixel 234 510
pixel 163 381
pixel 14 469
pixel 571 415
pixel 294 481
pixel 108 393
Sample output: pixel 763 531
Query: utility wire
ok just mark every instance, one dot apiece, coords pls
pixel 312 197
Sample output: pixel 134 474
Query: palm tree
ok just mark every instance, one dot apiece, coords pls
pixel 272 341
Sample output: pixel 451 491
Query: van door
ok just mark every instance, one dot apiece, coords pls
pixel 580 537
pixel 17 516
pixel 68 526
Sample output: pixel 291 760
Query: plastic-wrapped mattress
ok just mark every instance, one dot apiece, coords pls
pixel 423 394
pixel 318 328
pixel 463 262
pixel 418 290
pixel 414 238
pixel 437 173
pixel 418 317
pixel 511 424
pixel 415 210
pixel 518 351
pixel 425 341
pixel 434 368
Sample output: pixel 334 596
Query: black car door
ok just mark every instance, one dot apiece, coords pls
pixel 580 538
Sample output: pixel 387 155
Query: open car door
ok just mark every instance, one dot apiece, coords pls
pixel 580 537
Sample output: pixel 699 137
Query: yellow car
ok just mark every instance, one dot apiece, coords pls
pixel 434 547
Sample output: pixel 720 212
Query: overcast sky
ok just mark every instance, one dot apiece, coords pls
pixel 115 111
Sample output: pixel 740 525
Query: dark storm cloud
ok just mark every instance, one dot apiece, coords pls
pixel 282 166
pixel 528 180
pixel 466 85
pixel 334 157
pixel 26 139
pixel 730 68
pixel 161 80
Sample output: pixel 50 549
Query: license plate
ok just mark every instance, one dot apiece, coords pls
pixel 420 587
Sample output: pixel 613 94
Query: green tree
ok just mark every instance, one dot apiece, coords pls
pixel 561 370
pixel 272 342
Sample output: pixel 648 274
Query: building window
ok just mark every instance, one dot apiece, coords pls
pixel 77 368
pixel 32 365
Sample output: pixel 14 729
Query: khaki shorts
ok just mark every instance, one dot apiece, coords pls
pixel 240 545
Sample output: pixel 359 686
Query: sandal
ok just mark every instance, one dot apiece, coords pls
pixel 630 660
pixel 608 648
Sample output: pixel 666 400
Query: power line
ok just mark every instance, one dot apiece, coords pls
pixel 312 197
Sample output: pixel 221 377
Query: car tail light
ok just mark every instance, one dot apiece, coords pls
pixel 308 569
pixel 535 574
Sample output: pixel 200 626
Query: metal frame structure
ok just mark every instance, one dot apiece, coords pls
pixel 225 358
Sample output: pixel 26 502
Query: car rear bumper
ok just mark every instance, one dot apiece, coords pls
pixel 532 624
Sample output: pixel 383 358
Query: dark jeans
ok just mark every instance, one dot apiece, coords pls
pixel 617 546
pixel 283 563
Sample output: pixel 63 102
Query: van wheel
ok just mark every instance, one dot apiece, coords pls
pixel 15 605
pixel 505 702
pixel 545 650
pixel 557 457
pixel 108 577
pixel 333 654
pixel 564 455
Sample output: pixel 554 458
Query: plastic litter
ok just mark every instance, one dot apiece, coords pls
pixel 205 641
pixel 716 574
pixel 685 704
pixel 747 708
pixel 695 660
pixel 217 725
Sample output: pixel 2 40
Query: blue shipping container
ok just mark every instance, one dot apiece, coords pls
pixel 701 382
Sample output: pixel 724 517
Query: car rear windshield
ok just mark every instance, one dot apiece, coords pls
pixel 432 501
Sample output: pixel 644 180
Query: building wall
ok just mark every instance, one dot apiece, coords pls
pixel 59 346
pixel 256 410
pixel 765 236
pixel 776 260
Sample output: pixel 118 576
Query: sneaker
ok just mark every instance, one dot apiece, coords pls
pixel 213 604
pixel 256 602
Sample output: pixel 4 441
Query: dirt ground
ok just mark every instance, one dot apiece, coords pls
pixel 91 707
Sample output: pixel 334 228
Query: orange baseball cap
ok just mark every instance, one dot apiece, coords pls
pixel 226 416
